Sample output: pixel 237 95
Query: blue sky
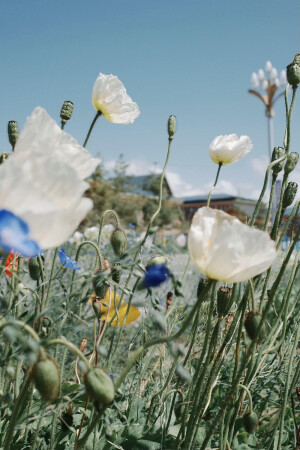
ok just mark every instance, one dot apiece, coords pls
pixel 190 58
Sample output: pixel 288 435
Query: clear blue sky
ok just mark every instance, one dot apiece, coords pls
pixel 190 58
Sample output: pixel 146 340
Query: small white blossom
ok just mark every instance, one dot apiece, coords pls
pixel 225 249
pixel 110 98
pixel 181 240
pixel 230 148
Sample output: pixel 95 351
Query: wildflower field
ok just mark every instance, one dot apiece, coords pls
pixel 110 340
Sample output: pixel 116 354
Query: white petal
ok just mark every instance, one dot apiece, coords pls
pixel 229 148
pixel 225 249
pixel 42 134
pixel 109 96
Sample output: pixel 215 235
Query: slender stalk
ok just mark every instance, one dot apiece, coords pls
pixel 98 114
pixel 71 347
pixel 214 185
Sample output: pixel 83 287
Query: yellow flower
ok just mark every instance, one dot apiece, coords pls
pixel 107 309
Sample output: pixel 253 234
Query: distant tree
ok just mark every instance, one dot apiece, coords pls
pixel 121 180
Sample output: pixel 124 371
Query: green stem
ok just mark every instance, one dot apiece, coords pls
pixel 249 396
pixel 71 347
pixel 287 147
pixel 98 114
pixel 98 253
pixel 214 185
pixel 116 217
pixel 270 206
pixel 83 440
pixel 51 276
pixel 21 324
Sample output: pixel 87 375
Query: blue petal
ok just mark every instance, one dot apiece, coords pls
pixel 14 233
pixel 67 261
pixel 156 275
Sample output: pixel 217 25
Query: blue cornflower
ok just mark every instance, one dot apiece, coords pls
pixel 14 235
pixel 131 225
pixel 67 261
pixel 156 275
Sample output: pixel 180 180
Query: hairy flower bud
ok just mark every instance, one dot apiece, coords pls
pixel 118 241
pixel 116 272
pixel 278 152
pixel 296 59
pixel 251 323
pixel 291 162
pixel 46 377
pixel 13 132
pixel 100 283
pixel 99 386
pixel 201 286
pixel 223 300
pixel 293 74
pixel 34 269
pixel 157 260
pixel 289 194
pixel 250 421
pixel 171 126
pixel 66 110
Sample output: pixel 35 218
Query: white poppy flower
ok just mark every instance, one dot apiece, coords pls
pixel 225 249
pixel 42 187
pixel 230 148
pixel 110 98
pixel 42 134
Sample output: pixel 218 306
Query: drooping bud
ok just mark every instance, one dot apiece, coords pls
pixel 157 260
pixel 100 386
pixel 118 241
pixel 13 132
pixel 100 283
pixel 289 194
pixel 116 272
pixel 251 323
pixel 293 74
pixel 201 286
pixel 171 126
pixel 46 377
pixel 291 162
pixel 278 152
pixel 34 269
pixel 223 300
pixel 250 421
pixel 66 111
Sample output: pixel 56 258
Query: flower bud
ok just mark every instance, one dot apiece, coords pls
pixel 250 421
pixel 296 59
pixel 46 377
pixel 293 74
pixel 171 126
pixel 289 194
pixel 278 152
pixel 66 111
pixel 251 323
pixel 291 162
pixel 116 272
pixel 118 241
pixel 34 269
pixel 179 410
pixel 100 283
pixel 201 286
pixel 223 300
pixel 157 260
pixel 13 132
pixel 100 386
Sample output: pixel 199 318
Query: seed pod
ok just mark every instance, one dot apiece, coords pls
pixel 201 286
pixel 171 126
pixel 66 110
pixel 34 269
pixel 291 162
pixel 223 300
pixel 296 59
pixel 13 132
pixel 278 152
pixel 289 194
pixel 179 410
pixel 157 260
pixel 116 272
pixel 250 421
pixel 99 386
pixel 118 241
pixel 100 283
pixel 251 323
pixel 46 377
pixel 293 74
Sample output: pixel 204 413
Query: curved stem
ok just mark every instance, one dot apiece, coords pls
pixel 98 253
pixel 249 396
pixel 214 185
pixel 71 347
pixel 288 127
pixel 23 325
pixel 116 217
pixel 98 114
